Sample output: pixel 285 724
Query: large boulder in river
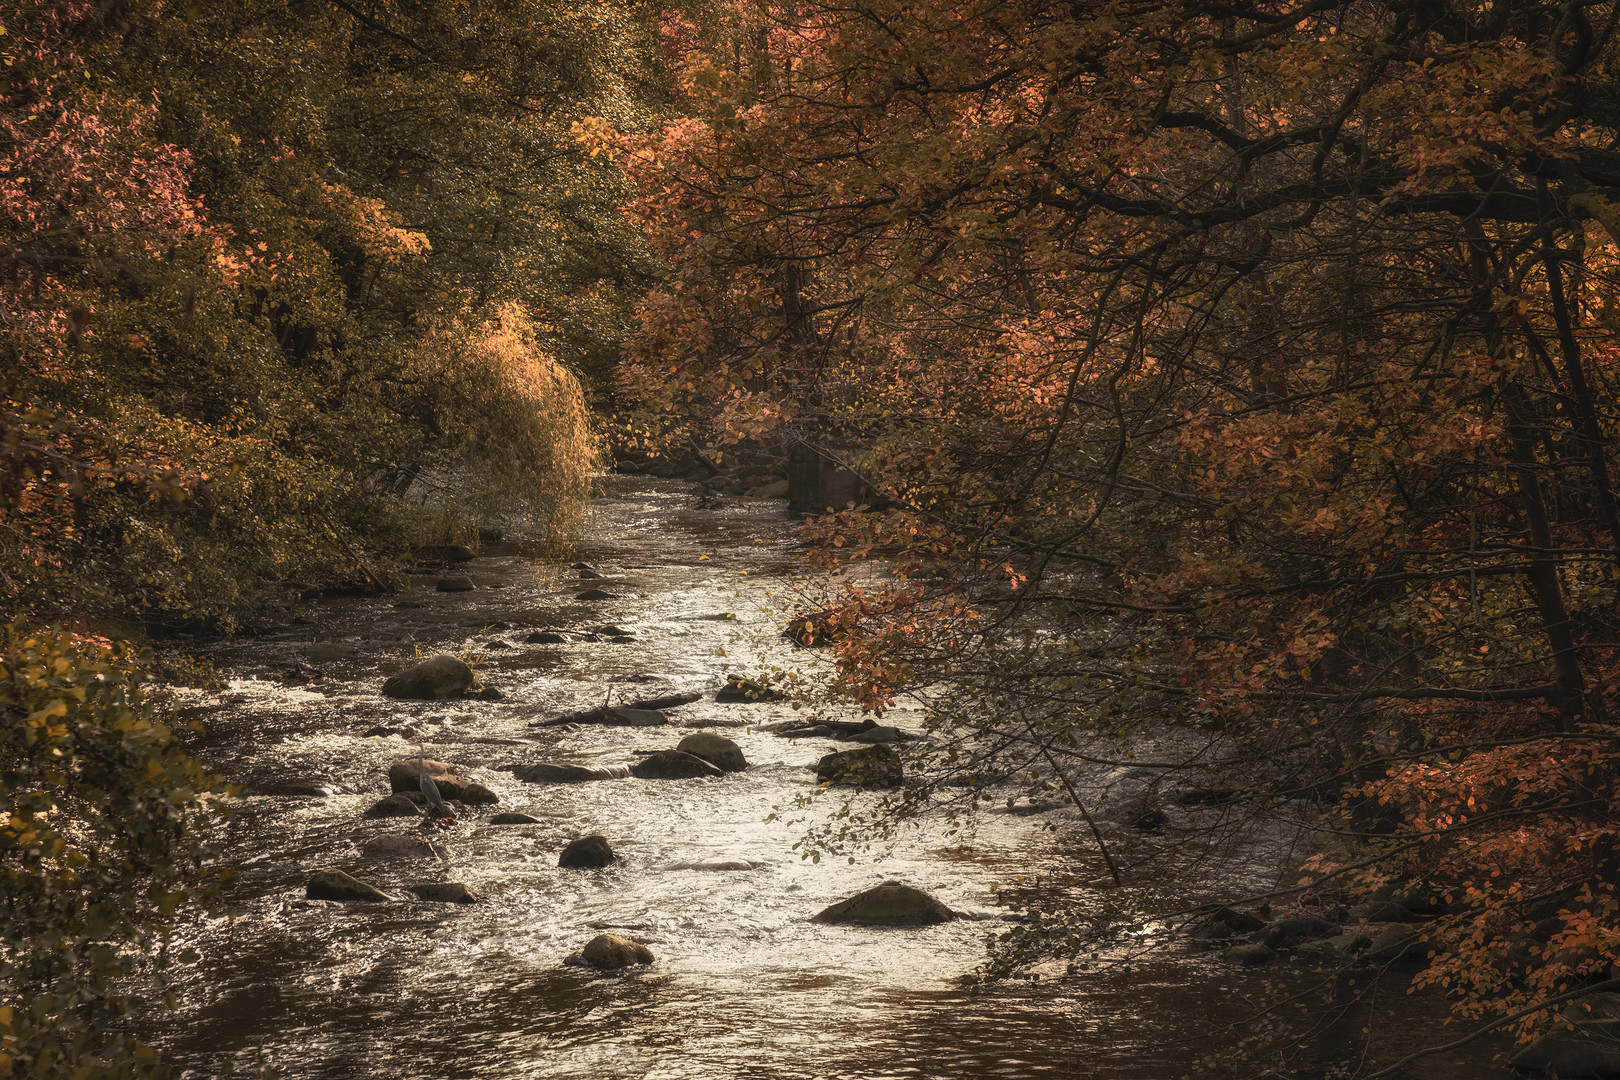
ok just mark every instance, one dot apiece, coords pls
pixel 478 795
pixel 717 750
pixel 545 772
pixel 870 766
pixel 394 806
pixel 672 765
pixel 436 679
pixel 336 885
pixel 889 904
pixel 405 777
pixel 610 952
pixel 588 852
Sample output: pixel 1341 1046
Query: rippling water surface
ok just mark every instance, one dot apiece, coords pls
pixel 744 984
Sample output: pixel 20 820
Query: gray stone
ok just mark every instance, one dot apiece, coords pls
pixel 1383 911
pixel 1227 922
pixel 511 818
pixel 437 679
pixel 717 750
pixel 546 637
pixel 299 789
pixel 394 806
pixel 587 852
pixel 454 583
pixel 1141 813
pixel 778 490
pixel 610 952
pixel 1395 943
pixel 443 892
pixel 739 689
pixel 1253 955
pixel 401 846
pixel 542 772
pixel 889 904
pixel 336 885
pixel 404 777
pixel 478 795
pixel 672 765
pixel 871 766
pixel 634 717
pixel 596 594
pixel 880 733
pixel 445 553
pixel 1570 1054
pixel 1286 933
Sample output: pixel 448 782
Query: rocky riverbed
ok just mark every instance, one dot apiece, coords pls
pixel 481 956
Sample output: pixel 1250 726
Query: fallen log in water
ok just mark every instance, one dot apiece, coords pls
pixel 599 715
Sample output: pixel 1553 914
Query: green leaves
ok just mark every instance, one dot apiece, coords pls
pixel 103 842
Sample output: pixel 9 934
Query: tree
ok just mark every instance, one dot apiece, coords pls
pixel 103 839
pixel 274 266
pixel 1246 369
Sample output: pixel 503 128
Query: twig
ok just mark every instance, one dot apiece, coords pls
pixel 1078 805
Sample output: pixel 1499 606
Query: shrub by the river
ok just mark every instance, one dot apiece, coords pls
pixel 102 842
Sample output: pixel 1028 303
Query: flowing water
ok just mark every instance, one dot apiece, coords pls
pixel 744 983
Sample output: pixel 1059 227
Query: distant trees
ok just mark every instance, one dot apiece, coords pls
pixel 1248 368
pixel 266 263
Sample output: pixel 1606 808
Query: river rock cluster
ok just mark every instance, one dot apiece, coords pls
pixel 703 754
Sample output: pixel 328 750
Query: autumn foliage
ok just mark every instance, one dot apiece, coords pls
pixel 275 275
pixel 1243 371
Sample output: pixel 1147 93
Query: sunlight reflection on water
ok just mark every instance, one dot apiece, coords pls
pixel 744 984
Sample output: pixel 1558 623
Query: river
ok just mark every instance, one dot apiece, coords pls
pixel 744 984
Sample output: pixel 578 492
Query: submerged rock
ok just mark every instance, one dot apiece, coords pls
pixel 588 852
pixel 872 766
pixel 543 772
pixel 1286 933
pixel 610 952
pixel 454 583
pixel 717 750
pixel 627 717
pixel 1227 922
pixel 672 765
pixel 889 904
pixel 394 806
pixel 1252 955
pixel 546 637
pixel 443 553
pixel 336 885
pixel 739 689
pixel 401 846
pixel 596 594
pixel 437 679
pixel 513 818
pixel 880 733
pixel 443 892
